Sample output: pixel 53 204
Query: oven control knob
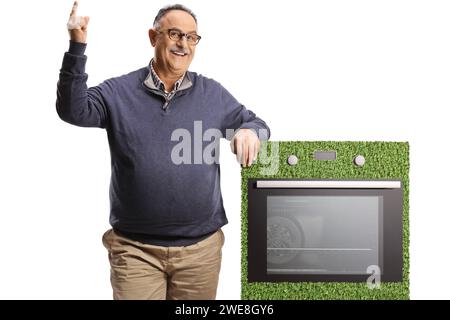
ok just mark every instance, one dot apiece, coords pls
pixel 359 160
pixel 292 160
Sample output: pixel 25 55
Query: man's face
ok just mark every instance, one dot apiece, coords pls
pixel 173 56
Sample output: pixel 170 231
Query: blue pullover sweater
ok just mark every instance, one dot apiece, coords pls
pixel 151 197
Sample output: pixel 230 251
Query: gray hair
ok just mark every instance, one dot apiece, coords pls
pixel 168 8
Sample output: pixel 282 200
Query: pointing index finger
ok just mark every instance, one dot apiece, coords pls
pixel 73 13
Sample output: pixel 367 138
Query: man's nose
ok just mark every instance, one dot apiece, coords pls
pixel 182 42
pixel 183 48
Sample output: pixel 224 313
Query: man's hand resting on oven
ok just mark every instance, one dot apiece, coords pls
pixel 245 144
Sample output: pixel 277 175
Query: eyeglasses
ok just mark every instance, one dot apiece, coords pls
pixel 177 35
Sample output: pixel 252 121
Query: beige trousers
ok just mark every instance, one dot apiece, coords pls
pixel 143 272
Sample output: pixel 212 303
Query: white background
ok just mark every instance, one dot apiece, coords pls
pixel 314 70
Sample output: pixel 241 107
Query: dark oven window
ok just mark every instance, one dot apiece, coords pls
pixel 322 234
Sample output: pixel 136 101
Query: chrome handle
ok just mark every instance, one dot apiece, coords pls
pixel 328 184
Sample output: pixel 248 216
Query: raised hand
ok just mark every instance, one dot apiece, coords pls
pixel 77 25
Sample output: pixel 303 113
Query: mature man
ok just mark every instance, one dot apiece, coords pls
pixel 166 215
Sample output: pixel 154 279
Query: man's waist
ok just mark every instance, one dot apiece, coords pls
pixel 166 241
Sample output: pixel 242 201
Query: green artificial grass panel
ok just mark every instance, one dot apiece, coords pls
pixel 384 160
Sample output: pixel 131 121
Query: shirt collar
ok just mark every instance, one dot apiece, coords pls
pixel 158 82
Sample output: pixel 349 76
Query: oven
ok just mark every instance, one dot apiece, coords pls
pixel 324 230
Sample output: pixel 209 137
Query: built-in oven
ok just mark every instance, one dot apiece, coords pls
pixel 324 230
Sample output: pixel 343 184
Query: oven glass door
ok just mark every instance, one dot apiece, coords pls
pixel 324 234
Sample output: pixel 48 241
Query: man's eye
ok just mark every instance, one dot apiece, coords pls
pixel 192 37
pixel 175 34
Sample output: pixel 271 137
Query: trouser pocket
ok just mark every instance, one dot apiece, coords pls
pixel 106 239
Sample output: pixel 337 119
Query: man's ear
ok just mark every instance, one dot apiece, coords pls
pixel 152 33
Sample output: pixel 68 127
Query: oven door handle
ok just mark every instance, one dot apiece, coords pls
pixel 328 184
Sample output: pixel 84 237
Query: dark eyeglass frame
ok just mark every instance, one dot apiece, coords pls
pixel 180 35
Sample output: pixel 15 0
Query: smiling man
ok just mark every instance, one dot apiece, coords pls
pixel 166 216
pixel 174 50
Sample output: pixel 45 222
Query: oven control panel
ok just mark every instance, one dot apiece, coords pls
pixel 358 161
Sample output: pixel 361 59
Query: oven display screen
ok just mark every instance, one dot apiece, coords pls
pixel 323 234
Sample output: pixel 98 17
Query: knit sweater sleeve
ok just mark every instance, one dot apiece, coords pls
pixel 237 116
pixel 75 102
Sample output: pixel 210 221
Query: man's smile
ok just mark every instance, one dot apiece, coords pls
pixel 179 53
